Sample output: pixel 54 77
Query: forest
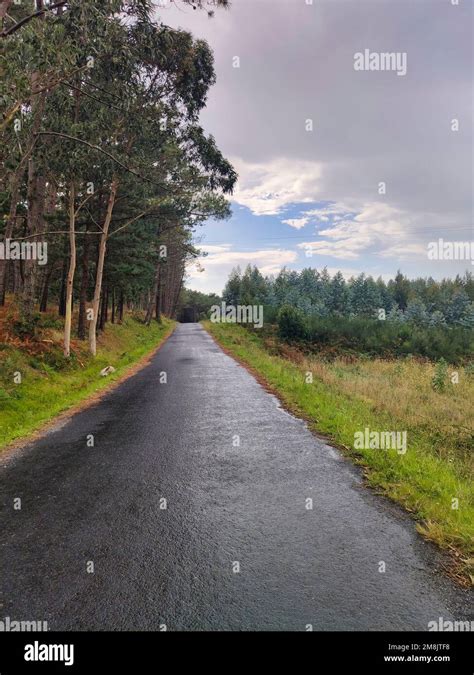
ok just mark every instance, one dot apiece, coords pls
pixel 104 164
pixel 401 316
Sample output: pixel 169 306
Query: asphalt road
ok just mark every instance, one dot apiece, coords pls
pixel 226 504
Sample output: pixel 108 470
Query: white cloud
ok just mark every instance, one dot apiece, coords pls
pixel 377 224
pixel 337 210
pixel 267 188
pixel 209 273
pixel 404 251
pixel 211 248
pixel 297 223
pixel 347 272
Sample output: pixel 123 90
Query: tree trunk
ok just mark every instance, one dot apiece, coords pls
pixel 103 309
pixel 100 320
pixel 106 307
pixel 45 291
pixel 154 295
pixel 15 189
pixel 36 188
pixel 81 328
pixel 113 305
pixel 62 290
pixel 36 201
pixel 100 269
pixel 121 306
pixel 178 293
pixel 71 271
pixel 158 306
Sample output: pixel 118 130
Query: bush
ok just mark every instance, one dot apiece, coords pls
pixel 270 315
pixel 439 378
pixel 26 328
pixel 383 338
pixel 291 324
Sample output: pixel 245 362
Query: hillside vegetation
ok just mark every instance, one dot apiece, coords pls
pixel 37 382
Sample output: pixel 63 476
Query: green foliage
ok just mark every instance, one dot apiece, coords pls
pixel 291 324
pixel 440 376
pixel 419 302
pixel 52 383
pixel 422 317
pixel 124 93
pixel 469 369
pixel 195 305
pixel 383 338
pixel 4 395
pixel 25 327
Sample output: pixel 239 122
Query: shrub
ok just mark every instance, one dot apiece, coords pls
pixel 387 338
pixel 26 328
pixel 270 314
pixel 439 378
pixel 291 324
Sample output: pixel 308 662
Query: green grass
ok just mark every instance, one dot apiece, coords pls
pixel 347 396
pixel 50 384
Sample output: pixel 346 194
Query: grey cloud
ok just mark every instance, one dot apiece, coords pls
pixel 297 63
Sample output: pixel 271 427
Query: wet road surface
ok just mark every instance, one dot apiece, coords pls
pixel 192 508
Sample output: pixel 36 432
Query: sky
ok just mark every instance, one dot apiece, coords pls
pixel 350 169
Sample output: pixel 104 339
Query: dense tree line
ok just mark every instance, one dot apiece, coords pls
pixel 103 158
pixel 423 302
pixel 194 305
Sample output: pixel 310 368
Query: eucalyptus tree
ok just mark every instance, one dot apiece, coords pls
pixel 30 67
pixel 101 106
pixel 170 74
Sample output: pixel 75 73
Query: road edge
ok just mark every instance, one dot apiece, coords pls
pixel 44 429
pixel 452 569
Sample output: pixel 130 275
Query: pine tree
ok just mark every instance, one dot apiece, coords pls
pixel 232 291
pixel 458 307
pixel 338 301
pixel 416 312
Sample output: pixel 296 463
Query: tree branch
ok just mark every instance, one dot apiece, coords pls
pixel 27 19
pixel 104 152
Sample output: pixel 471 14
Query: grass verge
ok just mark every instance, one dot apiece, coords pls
pixel 346 396
pixel 51 384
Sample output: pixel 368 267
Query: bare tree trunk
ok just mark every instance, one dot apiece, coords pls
pixel 36 188
pixel 45 291
pixel 71 271
pixel 17 281
pixel 121 306
pixel 81 328
pixel 106 307
pixel 178 293
pixel 100 269
pixel 100 322
pixel 15 189
pixel 154 295
pixel 36 198
pixel 103 308
pixel 158 305
pixel 62 290
pixel 113 305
